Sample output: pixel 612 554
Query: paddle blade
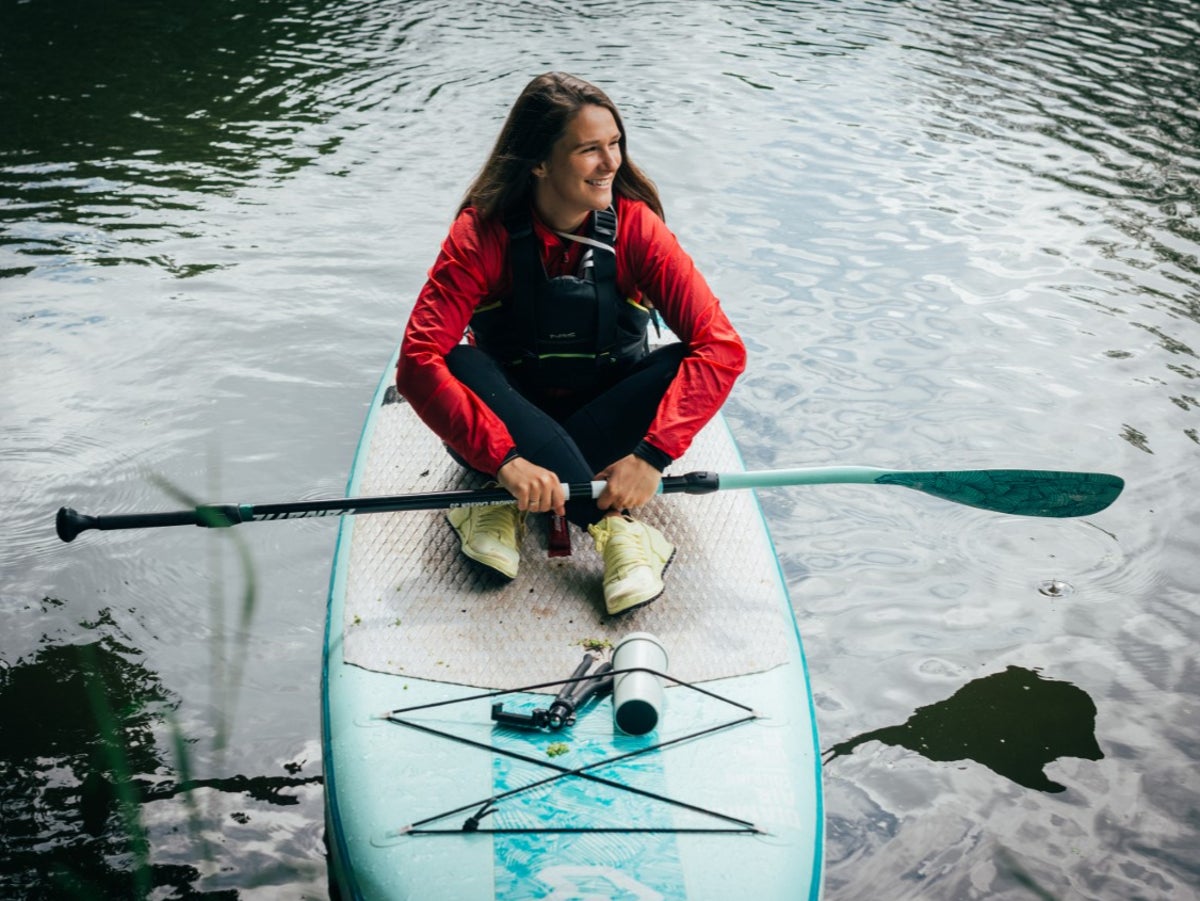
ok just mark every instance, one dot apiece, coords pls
pixel 1025 492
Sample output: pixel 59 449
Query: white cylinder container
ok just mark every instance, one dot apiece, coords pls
pixel 638 696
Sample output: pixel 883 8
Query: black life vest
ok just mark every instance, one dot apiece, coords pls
pixel 573 332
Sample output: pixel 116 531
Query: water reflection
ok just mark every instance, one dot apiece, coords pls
pixel 129 114
pixel 1089 105
pixel 79 762
pixel 949 231
pixel 1014 723
pixel 213 89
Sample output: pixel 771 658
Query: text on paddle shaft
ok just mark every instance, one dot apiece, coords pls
pixel 304 514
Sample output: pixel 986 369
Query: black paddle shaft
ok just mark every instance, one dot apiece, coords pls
pixel 70 523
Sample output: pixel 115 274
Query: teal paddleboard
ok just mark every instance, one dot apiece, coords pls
pixel 428 797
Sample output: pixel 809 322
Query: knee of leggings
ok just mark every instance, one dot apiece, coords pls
pixel 461 355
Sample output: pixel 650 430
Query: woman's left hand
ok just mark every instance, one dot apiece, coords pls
pixel 631 482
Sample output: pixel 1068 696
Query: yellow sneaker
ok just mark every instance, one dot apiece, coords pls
pixel 635 557
pixel 490 534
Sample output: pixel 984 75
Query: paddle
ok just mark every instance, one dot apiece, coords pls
pixel 1027 492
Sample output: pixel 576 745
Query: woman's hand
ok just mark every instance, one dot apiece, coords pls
pixel 631 482
pixel 536 490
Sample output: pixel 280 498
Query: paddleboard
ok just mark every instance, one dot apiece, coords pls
pixel 428 797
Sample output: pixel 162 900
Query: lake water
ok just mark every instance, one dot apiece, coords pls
pixel 954 235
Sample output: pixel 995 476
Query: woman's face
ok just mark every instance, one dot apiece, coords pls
pixel 578 176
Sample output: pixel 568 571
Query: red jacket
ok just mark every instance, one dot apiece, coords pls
pixel 472 269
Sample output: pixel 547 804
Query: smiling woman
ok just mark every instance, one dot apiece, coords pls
pixel 557 383
pixel 557 115
pixel 577 179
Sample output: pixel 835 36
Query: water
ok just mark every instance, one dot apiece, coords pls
pixel 955 235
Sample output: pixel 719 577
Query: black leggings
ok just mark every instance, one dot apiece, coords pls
pixel 574 442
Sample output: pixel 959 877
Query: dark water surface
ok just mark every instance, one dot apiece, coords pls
pixel 955 235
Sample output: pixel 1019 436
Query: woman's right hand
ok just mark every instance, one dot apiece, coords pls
pixel 536 489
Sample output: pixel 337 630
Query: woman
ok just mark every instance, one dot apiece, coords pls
pixel 552 269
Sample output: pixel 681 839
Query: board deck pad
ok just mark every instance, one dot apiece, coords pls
pixel 437 615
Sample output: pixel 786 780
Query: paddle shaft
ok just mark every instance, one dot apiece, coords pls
pixel 1025 492
pixel 70 522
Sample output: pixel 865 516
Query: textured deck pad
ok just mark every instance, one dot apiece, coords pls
pixel 416 607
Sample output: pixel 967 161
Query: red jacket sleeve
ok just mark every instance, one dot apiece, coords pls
pixel 660 269
pixel 469 270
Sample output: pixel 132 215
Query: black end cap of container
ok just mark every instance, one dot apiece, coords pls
pixel 636 717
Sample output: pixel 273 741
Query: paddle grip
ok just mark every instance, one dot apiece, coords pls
pixel 698 482
pixel 70 523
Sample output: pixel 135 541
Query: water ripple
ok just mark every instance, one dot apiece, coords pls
pixel 954 235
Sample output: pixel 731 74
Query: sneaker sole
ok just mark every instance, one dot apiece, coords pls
pixel 624 610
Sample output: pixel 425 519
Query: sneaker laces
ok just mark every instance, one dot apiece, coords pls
pixel 623 552
pixel 496 520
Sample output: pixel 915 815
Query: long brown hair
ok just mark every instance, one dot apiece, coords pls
pixel 538 119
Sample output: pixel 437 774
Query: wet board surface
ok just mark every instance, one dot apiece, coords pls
pixel 721 800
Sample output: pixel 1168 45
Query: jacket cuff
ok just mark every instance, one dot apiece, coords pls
pixel 652 455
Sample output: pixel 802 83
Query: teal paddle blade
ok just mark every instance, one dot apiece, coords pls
pixel 1025 492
